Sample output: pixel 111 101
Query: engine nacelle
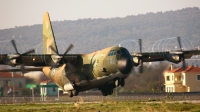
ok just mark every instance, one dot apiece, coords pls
pixel 137 60
pixel 12 59
pixel 174 58
pixel 56 58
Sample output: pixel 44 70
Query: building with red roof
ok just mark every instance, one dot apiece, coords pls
pixel 182 80
pixel 12 83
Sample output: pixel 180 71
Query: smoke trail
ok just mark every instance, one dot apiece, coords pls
pixel 37 76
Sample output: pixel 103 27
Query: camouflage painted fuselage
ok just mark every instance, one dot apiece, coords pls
pixel 87 67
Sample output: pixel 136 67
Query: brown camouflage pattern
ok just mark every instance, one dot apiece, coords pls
pixel 87 66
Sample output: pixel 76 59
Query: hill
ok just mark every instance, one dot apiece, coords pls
pixel 89 35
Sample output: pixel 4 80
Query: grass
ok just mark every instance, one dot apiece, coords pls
pixel 108 106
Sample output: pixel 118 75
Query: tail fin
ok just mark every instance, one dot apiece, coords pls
pixel 48 36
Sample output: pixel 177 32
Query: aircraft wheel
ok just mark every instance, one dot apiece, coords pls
pixel 70 94
pixel 117 82
pixel 122 82
pixel 109 89
pixel 75 92
pixel 104 91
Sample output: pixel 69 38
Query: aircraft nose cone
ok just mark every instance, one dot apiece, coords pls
pixel 125 65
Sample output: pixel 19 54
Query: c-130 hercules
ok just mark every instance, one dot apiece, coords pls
pixel 104 69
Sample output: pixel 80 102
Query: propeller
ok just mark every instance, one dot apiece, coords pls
pixel 62 58
pixel 18 56
pixel 140 59
pixel 68 49
pixel 14 45
pixel 25 53
pixel 23 69
pixel 182 56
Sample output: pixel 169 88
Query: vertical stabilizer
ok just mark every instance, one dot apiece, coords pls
pixel 48 36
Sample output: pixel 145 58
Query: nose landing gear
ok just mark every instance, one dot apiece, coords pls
pixel 119 82
pixel 73 92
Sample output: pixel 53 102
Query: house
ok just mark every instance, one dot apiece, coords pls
pixel 12 83
pixel 48 88
pixel 179 80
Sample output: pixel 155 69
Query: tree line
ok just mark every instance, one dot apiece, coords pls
pixel 89 35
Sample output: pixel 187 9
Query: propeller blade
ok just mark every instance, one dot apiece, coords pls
pixel 183 58
pixel 140 61
pixel 140 45
pixel 29 51
pixel 70 65
pixel 140 66
pixel 68 49
pixel 53 49
pixel 14 45
pixel 183 63
pixel 54 65
pixel 22 67
pixel 179 43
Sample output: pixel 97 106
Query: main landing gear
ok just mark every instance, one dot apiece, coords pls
pixel 73 92
pixel 119 82
pixel 107 89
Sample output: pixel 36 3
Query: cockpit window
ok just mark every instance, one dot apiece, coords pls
pixel 124 51
pixel 118 52
pixel 112 52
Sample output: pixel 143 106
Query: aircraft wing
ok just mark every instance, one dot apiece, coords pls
pixel 33 59
pixel 19 70
pixel 172 56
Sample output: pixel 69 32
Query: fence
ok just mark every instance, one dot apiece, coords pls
pixel 132 97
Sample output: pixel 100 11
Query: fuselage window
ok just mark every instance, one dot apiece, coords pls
pixel 109 54
pixel 125 53
pixel 112 61
pixel 118 55
pixel 112 52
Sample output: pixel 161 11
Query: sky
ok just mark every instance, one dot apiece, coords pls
pixel 29 12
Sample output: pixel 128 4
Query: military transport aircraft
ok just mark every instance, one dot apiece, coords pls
pixel 104 69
